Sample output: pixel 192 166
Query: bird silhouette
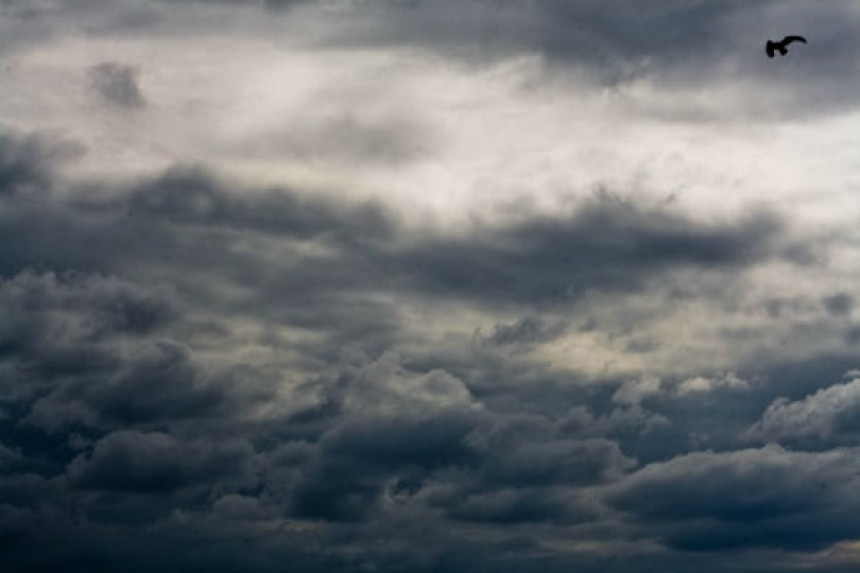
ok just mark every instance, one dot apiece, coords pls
pixel 782 46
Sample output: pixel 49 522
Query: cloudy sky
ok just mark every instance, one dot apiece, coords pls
pixel 429 286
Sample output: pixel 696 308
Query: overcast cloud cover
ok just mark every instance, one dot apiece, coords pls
pixel 429 286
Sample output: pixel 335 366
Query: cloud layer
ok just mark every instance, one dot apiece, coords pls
pixel 427 286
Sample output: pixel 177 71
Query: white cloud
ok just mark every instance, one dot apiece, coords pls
pixel 701 384
pixel 386 387
pixel 822 415
pixel 633 392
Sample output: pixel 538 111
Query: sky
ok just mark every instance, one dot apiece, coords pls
pixel 429 286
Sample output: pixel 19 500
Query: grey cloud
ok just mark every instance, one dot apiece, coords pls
pixel 435 442
pixel 766 497
pixel 707 46
pixel 223 359
pixel 386 387
pixel 153 462
pixel 160 383
pixel 27 490
pixel 79 307
pixel 521 506
pixel 546 260
pixel 633 392
pixel 271 4
pixel 9 457
pixel 284 4
pixel 521 470
pixel 192 196
pixel 675 45
pixel 348 138
pixel 346 483
pixel 839 304
pixel 527 330
pixel 557 462
pixel 730 413
pixel 243 3
pixel 116 84
pixel 627 420
pixel 62 332
pixel 201 375
pixel 604 245
pixel 27 161
pixel 419 435
pixel 829 415
pixel 392 422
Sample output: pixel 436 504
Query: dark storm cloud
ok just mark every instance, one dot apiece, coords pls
pixel 153 462
pixel 827 417
pixel 116 84
pixel 546 260
pixel 390 423
pixel 47 309
pixel 423 443
pixel 520 505
pixel 675 42
pixel 80 355
pixel 557 462
pixel 160 385
pixel 191 196
pixel 204 375
pixel 581 30
pixel 769 497
pixel 26 161
pixel 135 399
pixel 675 45
pixel 347 481
pixel 603 245
pixel 801 403
pixel 62 331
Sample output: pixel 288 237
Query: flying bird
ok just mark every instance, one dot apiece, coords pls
pixel 782 47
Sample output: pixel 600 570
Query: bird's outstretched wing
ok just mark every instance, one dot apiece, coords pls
pixel 789 39
pixel 770 49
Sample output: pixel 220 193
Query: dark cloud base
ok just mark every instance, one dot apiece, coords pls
pixel 135 435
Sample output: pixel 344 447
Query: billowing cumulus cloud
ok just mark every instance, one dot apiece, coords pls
pixel 771 497
pixel 827 415
pixel 152 462
pixel 427 286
